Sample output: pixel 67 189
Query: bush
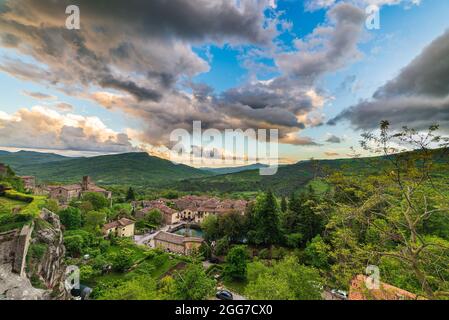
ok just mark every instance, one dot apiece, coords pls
pixel 122 260
pixel 222 246
pixel 97 200
pixel 236 264
pixel 71 218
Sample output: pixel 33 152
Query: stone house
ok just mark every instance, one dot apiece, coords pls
pixel 29 182
pixel 170 215
pixel 176 243
pixel 65 193
pixel 122 228
pixel 190 208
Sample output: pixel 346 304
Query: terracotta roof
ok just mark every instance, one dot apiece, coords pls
pixel 71 187
pixel 169 237
pixel 175 238
pixel 123 222
pixel 359 291
pixel 95 189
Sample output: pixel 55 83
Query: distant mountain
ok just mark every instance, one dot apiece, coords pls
pixel 228 170
pixel 20 158
pixel 288 178
pixel 138 169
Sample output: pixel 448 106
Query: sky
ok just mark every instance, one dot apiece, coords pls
pixel 136 71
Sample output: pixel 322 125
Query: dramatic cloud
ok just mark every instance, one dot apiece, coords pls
pixel 149 40
pixel 417 97
pixel 328 48
pixel 43 128
pixel 137 57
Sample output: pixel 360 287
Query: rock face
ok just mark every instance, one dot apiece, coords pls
pixel 44 264
pixel 15 287
pixel 50 266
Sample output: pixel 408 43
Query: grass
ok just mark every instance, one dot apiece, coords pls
pixel 7 205
pixel 28 210
pixel 236 286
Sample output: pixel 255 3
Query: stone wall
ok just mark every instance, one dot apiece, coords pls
pixel 21 250
pixel 7 246
pixel 14 247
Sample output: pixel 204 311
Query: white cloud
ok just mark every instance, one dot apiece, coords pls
pixel 43 128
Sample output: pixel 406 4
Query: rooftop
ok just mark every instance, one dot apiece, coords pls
pixel 175 238
pixel 123 222
pixel 359 291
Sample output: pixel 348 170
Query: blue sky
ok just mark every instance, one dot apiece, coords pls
pixel 115 98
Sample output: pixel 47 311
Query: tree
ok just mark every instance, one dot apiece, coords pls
pixel 193 284
pixel 52 205
pixel 74 245
pixel 285 280
pixel 71 218
pixel 122 260
pixel 94 220
pixel 97 200
pixel 130 196
pixel 137 288
pixel 221 246
pixel 154 217
pixel 317 253
pixel 232 225
pixel 236 264
pixel 265 221
pixel 284 204
pixel 383 216
pixel 210 228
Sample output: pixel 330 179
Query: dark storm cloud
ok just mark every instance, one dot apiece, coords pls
pixel 143 51
pixel 139 92
pixel 417 97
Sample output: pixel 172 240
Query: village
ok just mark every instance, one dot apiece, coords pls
pixel 181 217
pixel 178 236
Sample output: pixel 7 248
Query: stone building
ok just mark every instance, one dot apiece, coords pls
pixel 29 182
pixel 191 208
pixel 171 216
pixel 176 243
pixel 122 228
pixel 65 193
pixel 14 247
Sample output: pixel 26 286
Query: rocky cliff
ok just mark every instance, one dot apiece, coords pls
pixel 44 264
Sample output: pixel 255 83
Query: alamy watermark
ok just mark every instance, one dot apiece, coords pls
pixel 73 20
pixel 372 21
pixel 231 147
pixel 372 280
pixel 72 278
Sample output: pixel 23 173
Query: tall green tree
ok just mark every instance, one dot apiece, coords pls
pixel 70 218
pixel 97 200
pixel 284 205
pixel 265 221
pixel 193 284
pixel 130 196
pixel 236 263
pixel 285 280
